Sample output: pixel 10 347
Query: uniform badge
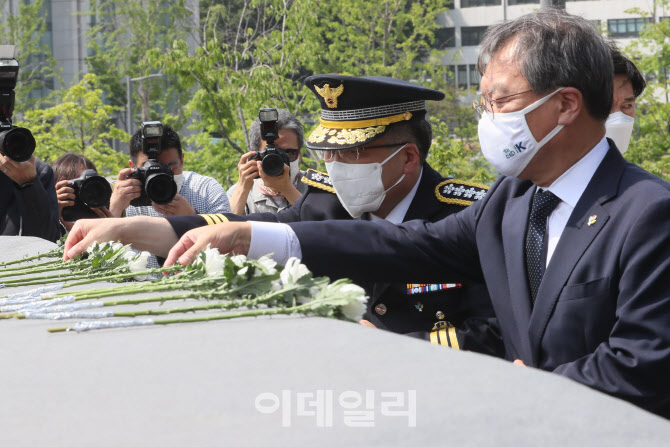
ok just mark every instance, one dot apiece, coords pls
pixel 330 94
pixel 592 220
pixel 318 179
pixel 458 192
pixel 419 306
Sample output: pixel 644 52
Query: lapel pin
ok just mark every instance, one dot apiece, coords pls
pixel 592 220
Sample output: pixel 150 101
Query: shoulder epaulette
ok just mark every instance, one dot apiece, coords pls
pixel 459 192
pixel 318 179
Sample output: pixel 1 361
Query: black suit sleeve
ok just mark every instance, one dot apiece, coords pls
pixel 382 252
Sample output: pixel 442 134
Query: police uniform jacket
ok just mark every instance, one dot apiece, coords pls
pixel 457 314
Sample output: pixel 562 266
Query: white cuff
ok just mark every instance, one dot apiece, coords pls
pixel 276 239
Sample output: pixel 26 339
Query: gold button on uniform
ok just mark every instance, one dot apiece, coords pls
pixel 380 309
pixel 440 315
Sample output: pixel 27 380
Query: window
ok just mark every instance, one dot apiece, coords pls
pixel 462 72
pixel 471 3
pixel 626 27
pixel 472 35
pixel 445 38
pixel 474 76
pixel 521 2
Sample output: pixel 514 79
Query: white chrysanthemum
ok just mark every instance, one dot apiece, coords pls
pixel 268 264
pixel 239 260
pixel 214 262
pixel 92 247
pixel 293 271
pixel 357 305
pixel 243 271
pixel 137 262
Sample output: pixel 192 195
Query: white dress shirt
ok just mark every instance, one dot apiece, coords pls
pixel 569 187
pixel 282 242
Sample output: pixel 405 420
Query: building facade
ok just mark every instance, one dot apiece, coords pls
pixel 464 24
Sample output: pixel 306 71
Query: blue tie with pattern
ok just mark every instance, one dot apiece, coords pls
pixel 544 203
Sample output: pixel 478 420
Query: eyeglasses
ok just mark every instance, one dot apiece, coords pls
pixel 292 154
pixel 350 155
pixel 486 104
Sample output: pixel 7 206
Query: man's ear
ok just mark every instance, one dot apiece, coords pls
pixel 131 164
pixel 571 105
pixel 412 158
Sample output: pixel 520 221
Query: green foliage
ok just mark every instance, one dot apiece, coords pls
pixel 26 30
pixel 123 33
pixel 650 144
pixel 79 122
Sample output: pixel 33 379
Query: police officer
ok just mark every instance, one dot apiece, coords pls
pixel 374 138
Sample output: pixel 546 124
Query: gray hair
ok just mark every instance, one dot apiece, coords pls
pixel 556 49
pixel 286 120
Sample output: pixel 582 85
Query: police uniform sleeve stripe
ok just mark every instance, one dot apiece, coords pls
pixel 208 218
pixel 453 337
pixel 222 217
pixel 444 340
pixel 433 338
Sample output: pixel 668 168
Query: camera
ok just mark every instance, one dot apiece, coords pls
pixel 91 191
pixel 157 179
pixel 272 158
pixel 16 143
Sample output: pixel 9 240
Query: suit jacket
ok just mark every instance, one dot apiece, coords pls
pixel 32 211
pixel 433 312
pixel 602 312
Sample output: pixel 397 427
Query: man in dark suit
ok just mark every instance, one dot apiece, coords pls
pixel 572 241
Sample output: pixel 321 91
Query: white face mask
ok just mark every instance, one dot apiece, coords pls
pixel 179 180
pixel 294 169
pixel 507 142
pixel 359 186
pixel 619 127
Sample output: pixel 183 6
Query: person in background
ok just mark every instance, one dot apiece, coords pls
pixel 257 192
pixel 629 84
pixel 28 205
pixel 68 167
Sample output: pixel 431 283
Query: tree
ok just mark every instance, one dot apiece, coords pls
pixel 123 33
pixel 251 56
pixel 650 145
pixel 79 122
pixel 26 29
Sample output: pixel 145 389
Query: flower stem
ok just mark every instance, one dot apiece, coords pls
pixel 49 254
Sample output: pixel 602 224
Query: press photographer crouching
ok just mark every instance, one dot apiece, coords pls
pixel 81 192
pixel 28 200
pixel 162 187
pixel 261 186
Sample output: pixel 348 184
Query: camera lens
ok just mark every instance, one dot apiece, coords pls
pixel 160 188
pixel 95 192
pixel 273 165
pixel 17 143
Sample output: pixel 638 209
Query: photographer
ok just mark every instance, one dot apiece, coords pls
pixel 195 193
pixel 257 192
pixel 28 205
pixel 66 168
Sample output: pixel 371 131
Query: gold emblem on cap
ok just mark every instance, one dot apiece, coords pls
pixel 329 94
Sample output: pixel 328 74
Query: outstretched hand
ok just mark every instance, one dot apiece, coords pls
pixel 229 237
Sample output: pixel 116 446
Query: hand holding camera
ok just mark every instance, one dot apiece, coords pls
pixel 156 179
pixel 21 172
pixel 79 198
pixel 17 144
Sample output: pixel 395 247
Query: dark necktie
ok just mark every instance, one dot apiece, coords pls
pixel 544 203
